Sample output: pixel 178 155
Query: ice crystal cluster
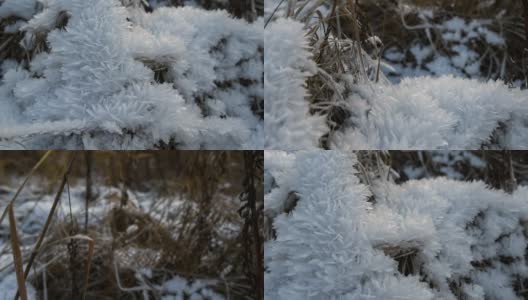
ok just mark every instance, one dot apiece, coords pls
pixel 436 113
pixel 97 74
pixel 289 124
pixel 424 239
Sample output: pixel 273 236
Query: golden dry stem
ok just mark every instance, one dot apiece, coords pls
pixel 17 254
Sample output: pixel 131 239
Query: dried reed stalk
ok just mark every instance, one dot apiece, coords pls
pixel 17 255
pixel 48 221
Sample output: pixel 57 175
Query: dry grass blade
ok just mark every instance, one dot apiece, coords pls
pixel 357 38
pixel 48 220
pixel 41 161
pixel 17 255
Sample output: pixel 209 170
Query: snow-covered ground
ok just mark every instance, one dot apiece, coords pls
pixel 433 238
pixel 32 209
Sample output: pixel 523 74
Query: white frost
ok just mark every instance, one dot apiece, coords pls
pixel 434 113
pixel 340 244
pixel 288 124
pixel 120 78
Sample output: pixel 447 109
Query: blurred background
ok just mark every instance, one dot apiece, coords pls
pixel 165 224
pixel 248 9
pixel 468 38
pixel 498 169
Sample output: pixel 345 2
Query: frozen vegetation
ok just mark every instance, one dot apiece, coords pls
pixel 339 233
pixel 441 82
pixel 101 75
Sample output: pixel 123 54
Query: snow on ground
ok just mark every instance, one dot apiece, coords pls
pixel 198 289
pixel 424 239
pixel 463 55
pixel 8 288
pixel 118 78
pixel 33 206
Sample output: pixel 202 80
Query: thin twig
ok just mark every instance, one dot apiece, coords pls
pixel 273 13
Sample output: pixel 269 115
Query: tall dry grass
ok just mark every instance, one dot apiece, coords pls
pixel 101 260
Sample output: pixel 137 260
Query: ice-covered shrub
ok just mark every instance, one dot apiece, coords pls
pixel 424 239
pixel 116 77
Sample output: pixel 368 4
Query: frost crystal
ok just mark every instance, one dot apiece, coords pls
pixel 424 239
pixel 288 122
pixel 435 113
pixel 119 78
